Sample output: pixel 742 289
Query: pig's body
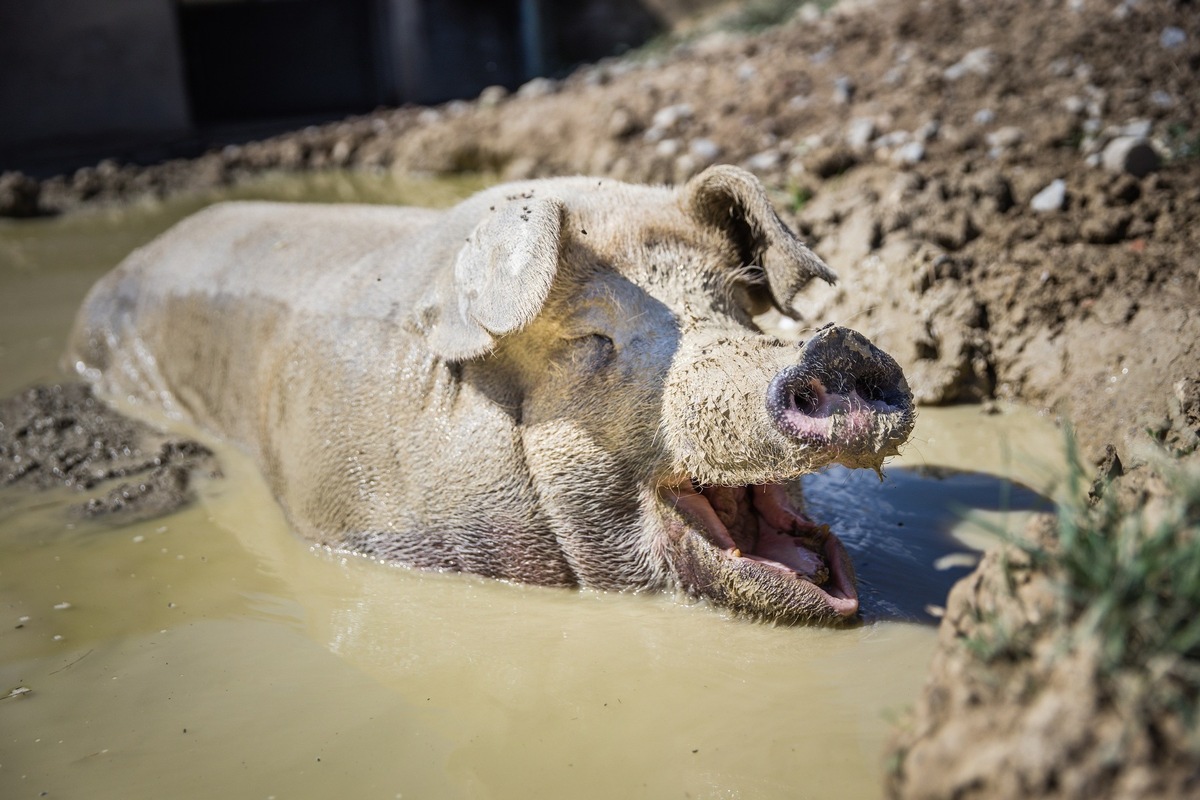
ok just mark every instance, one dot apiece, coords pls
pixel 554 382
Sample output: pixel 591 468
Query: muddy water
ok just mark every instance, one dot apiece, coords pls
pixel 211 653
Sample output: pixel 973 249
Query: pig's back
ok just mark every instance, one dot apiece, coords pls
pixel 194 320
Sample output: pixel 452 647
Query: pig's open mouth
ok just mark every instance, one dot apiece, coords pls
pixel 756 532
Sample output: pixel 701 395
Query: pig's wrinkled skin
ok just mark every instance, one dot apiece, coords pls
pixel 556 382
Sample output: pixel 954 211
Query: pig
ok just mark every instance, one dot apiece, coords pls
pixel 558 382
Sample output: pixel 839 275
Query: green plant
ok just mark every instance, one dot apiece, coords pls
pixel 798 198
pixel 1182 142
pixel 1129 581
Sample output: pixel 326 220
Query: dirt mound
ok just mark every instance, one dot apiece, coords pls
pixel 63 436
pixel 1067 665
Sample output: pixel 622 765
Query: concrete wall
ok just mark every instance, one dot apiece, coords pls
pixel 75 70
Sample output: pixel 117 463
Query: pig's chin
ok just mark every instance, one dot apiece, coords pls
pixel 749 549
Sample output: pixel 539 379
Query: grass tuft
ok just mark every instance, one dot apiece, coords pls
pixel 1129 583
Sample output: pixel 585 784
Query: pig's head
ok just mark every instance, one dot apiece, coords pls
pixel 662 430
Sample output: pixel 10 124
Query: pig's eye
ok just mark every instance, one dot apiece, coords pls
pixel 596 348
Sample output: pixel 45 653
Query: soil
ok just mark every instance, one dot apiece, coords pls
pixel 1009 192
pixel 61 435
pixel 1043 716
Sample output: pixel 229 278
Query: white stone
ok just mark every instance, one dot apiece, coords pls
pixel 860 132
pixel 1052 198
pixel 1172 37
pixel 980 61
pixel 670 116
pixel 1130 154
pixel 909 154
pixel 705 151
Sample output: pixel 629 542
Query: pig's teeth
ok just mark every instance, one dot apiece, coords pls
pixel 735 553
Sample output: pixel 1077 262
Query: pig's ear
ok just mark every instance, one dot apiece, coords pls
pixel 502 276
pixel 733 200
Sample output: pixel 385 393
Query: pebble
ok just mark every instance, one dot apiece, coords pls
pixel 765 161
pixel 980 61
pixel 1051 198
pixel 492 96
pixel 1130 154
pixel 843 90
pixel 705 150
pixel 669 117
pixel 1004 138
pixel 929 131
pixel 984 116
pixel 860 132
pixel 63 606
pixel 538 87
pixel 909 154
pixel 667 148
pixel 1138 128
pixel 1162 99
pixel 1172 37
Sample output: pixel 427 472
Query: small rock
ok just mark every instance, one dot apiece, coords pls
pixel 808 14
pixel 669 117
pixel 492 96
pixel 984 116
pixel 538 87
pixel 667 148
pixel 1052 198
pixel 860 132
pixel 621 124
pixel 1162 99
pixel 909 154
pixel 1130 154
pixel 980 61
pixel 705 151
pixel 1138 128
pixel 1172 37
pixel 843 90
pixel 893 140
pixel 746 72
pixel 765 161
pixel 1005 138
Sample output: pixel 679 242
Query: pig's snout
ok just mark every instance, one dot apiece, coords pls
pixel 843 391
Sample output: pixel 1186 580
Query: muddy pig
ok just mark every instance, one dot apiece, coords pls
pixel 557 382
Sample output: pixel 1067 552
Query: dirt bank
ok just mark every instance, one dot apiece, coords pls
pixel 1067 665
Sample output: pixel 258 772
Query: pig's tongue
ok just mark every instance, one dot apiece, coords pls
pixel 758 523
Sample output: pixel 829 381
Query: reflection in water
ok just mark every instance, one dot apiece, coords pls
pixel 212 653
pixel 903 541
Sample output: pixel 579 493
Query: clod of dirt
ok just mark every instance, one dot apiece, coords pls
pixel 61 435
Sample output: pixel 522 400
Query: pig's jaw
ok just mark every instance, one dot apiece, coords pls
pixel 748 548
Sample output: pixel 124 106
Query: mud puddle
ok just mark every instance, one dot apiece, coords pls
pixel 212 652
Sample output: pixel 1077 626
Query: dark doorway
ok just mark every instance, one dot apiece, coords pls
pixel 261 59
